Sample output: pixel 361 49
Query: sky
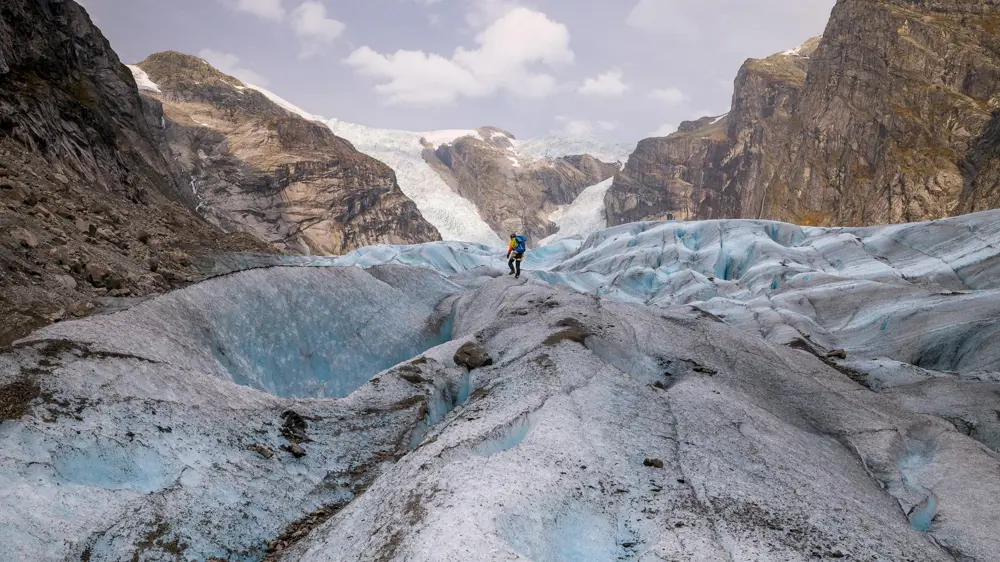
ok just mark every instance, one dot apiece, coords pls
pixel 615 69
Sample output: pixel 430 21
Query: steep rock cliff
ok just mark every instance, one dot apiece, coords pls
pixel 89 207
pixel 890 117
pixel 258 168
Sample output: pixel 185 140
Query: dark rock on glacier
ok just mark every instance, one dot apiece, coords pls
pixel 472 356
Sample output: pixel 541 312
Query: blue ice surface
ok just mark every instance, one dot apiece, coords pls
pixel 444 400
pixel 922 516
pixel 577 534
pixel 917 454
pixel 508 438
pixel 321 335
pixel 108 464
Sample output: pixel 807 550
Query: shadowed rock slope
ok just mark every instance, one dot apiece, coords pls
pixel 89 207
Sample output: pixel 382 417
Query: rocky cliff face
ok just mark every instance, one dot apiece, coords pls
pixel 88 205
pixel 256 167
pixel 890 117
pixel 514 193
pixel 673 177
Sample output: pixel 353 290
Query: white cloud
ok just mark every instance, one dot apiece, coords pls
pixel 314 28
pixel 265 9
pixel 484 12
pixel 756 29
pixel 582 128
pixel 664 130
pixel 609 84
pixel 669 96
pixel 576 128
pixel 230 64
pixel 508 49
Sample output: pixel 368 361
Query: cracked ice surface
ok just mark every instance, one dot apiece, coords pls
pixel 697 344
pixel 768 453
pixel 926 294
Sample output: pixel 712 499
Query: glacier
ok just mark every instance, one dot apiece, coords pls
pixel 458 219
pixel 142 79
pixel 551 146
pixel 455 217
pixel 583 216
pixel 718 390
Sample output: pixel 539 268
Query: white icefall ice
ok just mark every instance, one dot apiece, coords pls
pixel 285 104
pixel 698 347
pixel 142 79
pixel 455 217
pixel 582 217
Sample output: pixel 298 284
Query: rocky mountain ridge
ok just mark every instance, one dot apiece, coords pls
pixel 255 166
pixel 889 117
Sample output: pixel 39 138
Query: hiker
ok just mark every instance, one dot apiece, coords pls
pixel 515 254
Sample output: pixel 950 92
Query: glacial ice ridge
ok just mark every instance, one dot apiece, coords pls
pixel 742 390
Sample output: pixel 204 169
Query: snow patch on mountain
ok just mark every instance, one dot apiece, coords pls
pixel 287 105
pixel 142 79
pixel 455 217
pixel 582 217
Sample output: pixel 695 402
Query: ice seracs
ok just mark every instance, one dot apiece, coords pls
pixel 555 147
pixel 582 217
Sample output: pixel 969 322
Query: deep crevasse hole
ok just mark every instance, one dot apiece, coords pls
pixel 309 332
pixel 328 331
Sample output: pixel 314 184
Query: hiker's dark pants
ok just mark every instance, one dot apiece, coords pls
pixel 515 260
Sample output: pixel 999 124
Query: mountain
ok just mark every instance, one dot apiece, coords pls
pixel 479 185
pixel 889 117
pixel 513 191
pixel 717 390
pixel 261 166
pixel 89 206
